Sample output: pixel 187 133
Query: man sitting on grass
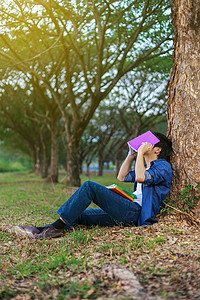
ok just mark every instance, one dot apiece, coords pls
pixel 152 184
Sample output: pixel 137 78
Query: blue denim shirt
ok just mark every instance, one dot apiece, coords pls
pixel 157 184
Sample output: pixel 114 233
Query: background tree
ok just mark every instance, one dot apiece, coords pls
pixel 107 130
pixel 88 144
pixel 184 95
pixel 80 50
pixel 21 123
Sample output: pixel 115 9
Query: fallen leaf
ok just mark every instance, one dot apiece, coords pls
pixel 90 292
pixel 4 268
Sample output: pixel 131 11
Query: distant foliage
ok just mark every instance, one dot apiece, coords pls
pixel 17 163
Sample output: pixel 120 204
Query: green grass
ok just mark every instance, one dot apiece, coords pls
pixel 35 202
pixel 18 176
pixel 71 267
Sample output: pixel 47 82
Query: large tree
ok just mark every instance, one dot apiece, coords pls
pixel 80 50
pixel 184 96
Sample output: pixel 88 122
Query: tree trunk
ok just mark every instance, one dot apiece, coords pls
pixel 45 164
pixel 184 96
pixel 80 168
pixel 118 156
pixel 87 169
pixel 118 159
pixel 107 165
pixel 53 173
pixel 73 168
pixel 101 164
pixel 37 160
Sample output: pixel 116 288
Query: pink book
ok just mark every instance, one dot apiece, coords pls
pixel 145 137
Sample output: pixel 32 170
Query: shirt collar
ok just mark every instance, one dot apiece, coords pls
pixel 156 161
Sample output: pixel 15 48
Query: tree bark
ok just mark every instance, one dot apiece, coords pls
pixel 184 96
pixel 37 160
pixel 53 173
pixel 101 164
pixel 118 160
pixel 117 165
pixel 73 167
pixel 87 169
pixel 45 163
pixel 118 156
pixel 80 168
pixel 107 165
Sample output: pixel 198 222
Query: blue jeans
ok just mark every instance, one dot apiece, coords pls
pixel 114 209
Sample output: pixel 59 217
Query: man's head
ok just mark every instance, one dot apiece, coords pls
pixel 165 144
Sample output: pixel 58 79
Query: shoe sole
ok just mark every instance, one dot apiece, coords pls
pixel 36 237
pixel 48 235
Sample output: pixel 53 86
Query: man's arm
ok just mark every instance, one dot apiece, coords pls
pixel 140 168
pixel 139 164
pixel 125 167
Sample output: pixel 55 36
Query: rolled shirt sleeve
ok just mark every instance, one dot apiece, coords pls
pixel 130 177
pixel 155 176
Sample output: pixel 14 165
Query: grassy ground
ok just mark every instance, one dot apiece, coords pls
pixel 157 262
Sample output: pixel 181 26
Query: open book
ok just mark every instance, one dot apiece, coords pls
pixel 145 137
pixel 122 192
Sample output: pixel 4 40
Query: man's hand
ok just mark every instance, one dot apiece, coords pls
pixel 132 155
pixel 144 148
pixel 131 151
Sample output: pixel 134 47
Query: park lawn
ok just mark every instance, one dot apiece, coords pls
pixel 165 257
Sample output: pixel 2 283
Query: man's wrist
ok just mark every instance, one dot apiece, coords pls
pixel 131 156
pixel 140 153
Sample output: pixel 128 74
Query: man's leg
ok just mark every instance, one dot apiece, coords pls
pixel 114 210
pixel 94 216
pixel 121 210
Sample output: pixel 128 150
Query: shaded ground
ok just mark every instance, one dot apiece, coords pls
pixel 157 262
pixel 164 258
